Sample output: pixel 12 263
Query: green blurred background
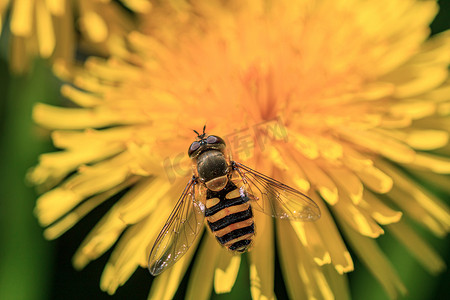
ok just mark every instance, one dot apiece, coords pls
pixel 32 268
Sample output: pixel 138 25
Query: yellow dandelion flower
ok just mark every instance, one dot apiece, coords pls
pixel 48 28
pixel 339 99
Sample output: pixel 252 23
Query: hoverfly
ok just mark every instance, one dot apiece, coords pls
pixel 225 192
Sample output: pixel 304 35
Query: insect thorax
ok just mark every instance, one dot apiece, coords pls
pixel 212 169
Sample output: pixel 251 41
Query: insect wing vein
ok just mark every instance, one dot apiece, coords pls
pixel 275 198
pixel 180 231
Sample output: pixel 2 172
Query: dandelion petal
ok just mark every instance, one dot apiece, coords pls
pixel 372 256
pixel 378 210
pixel 262 260
pixel 418 247
pixel 340 256
pixel 201 280
pixel 165 285
pixel 294 283
pixel 226 272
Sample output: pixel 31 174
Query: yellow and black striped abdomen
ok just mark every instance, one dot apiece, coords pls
pixel 230 218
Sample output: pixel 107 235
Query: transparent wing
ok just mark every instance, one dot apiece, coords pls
pixel 180 231
pixel 275 198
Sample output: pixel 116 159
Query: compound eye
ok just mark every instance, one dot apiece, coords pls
pixel 212 139
pixel 194 146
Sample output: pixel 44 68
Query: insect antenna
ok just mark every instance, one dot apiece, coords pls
pixel 200 136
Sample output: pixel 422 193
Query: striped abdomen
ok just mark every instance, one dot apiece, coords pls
pixel 230 218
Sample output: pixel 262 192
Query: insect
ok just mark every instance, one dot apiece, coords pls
pixel 224 192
